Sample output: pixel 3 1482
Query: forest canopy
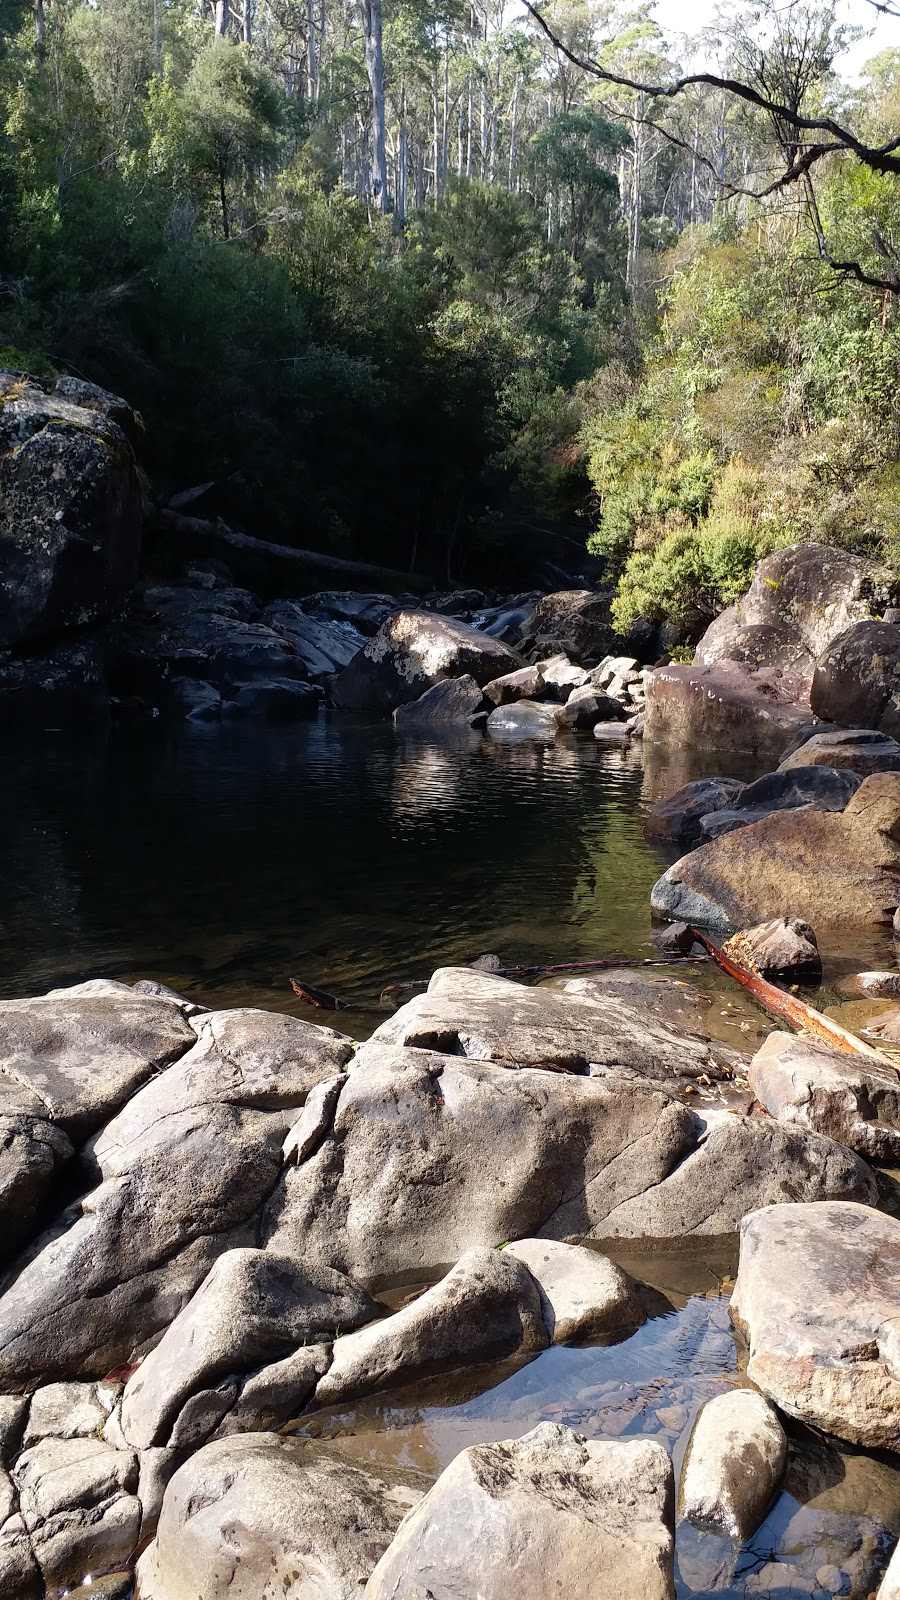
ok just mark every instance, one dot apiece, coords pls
pixel 447 285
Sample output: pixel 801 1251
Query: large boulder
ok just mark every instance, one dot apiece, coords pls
pixel 726 706
pixel 857 679
pixel 325 644
pixel 575 620
pixel 584 1295
pixel 70 506
pixel 411 651
pixel 859 750
pixel 800 600
pixel 259 1517
pixel 818 1299
pixel 486 1308
pixel 549 1513
pixel 452 703
pixel 734 1464
pixel 852 1098
pixel 830 869
pixel 181 1173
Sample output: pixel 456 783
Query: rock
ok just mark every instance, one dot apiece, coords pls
pixel 577 618
pixel 724 707
pixel 871 986
pixel 78 1504
pixel 66 1411
pixel 325 644
pixel 456 602
pixel 255 1307
pixel 859 750
pixel 32 1152
pixel 678 818
pixel 258 1516
pixel 178 602
pixel 486 1308
pixel 857 678
pixel 13 1416
pixel 785 948
pixel 366 612
pixel 453 702
pixel 411 651
pixel 251 667
pixel 817 1298
pixel 487 1018
pixel 525 684
pixel 853 1099
pixel 890 1584
pixel 677 939
pixel 54 687
pixel 268 1398
pixel 612 732
pixel 561 676
pixel 182 1173
pixel 824 788
pixel 586 707
pixel 612 667
pixel 734 1464
pixel 550 1512
pixel 584 1295
pixel 407 1176
pixel 756 645
pixel 193 699
pixel 70 526
pixel 525 719
pixel 836 869
pixel 273 700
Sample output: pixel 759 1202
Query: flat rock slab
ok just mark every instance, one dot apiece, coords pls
pixel 486 1308
pixel 830 869
pixel 548 1513
pixel 734 1464
pixel 584 1295
pixel 260 1517
pixel 818 1300
pixel 492 1019
pixel 861 750
pixel 850 1098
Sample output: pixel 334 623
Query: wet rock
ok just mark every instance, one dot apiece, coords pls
pixel 784 948
pixel 524 719
pixel 273 700
pixel 734 1464
pixel 678 818
pixel 526 683
pixel 486 1308
pixel 182 1172
pixel 561 676
pixel 853 1099
pixel 586 707
pixel 78 1504
pixel 70 526
pixel 247 664
pixel 612 732
pixel 857 678
pixel 411 651
pixel 324 644
pixel 596 1514
pixel 493 1019
pixel 677 939
pixel 260 1516
pixel 452 702
pixel 817 1298
pixel 584 1295
pixel 728 706
pixel 193 699
pixel 834 869
pixel 60 685
pixel 255 1307
pixel 577 618
pixel 859 750
pixel 871 986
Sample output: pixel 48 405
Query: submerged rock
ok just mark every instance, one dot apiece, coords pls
pixel 259 1517
pixel 584 1295
pixel 524 719
pixel 592 1518
pixel 832 869
pixel 411 651
pixel 818 1300
pixel 734 1464
pixel 851 1098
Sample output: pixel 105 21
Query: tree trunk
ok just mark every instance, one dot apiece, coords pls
pixel 371 15
pixel 223 19
pixel 39 21
pixel 403 159
pixel 513 135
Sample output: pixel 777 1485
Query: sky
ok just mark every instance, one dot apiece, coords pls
pixel 689 16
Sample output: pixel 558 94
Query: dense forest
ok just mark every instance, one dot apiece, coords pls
pixel 443 284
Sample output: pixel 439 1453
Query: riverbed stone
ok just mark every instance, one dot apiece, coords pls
pixel 270 1396
pixel 871 986
pixel 584 1295
pixel 678 818
pixel 561 676
pixel 851 1098
pixel 817 1298
pixel 784 948
pixel 453 702
pixel 181 1172
pixel 586 707
pixel 78 1503
pixel 486 1308
pixel 487 1018
pixel 592 1518
pixel 861 750
pixel 830 869
pixel 260 1517
pixel 526 683
pixel 253 1308
pixel 411 651
pixel 579 620
pixel 524 719
pixel 734 1464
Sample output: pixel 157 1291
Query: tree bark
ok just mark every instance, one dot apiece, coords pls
pixel 372 40
pixel 223 19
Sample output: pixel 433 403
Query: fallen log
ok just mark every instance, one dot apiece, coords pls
pixel 789 1007
pixel 311 996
